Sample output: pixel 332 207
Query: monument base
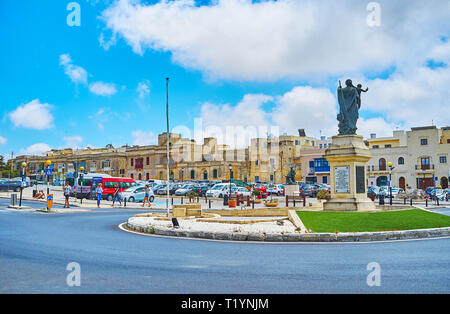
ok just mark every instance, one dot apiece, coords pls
pixel 291 190
pixel 347 156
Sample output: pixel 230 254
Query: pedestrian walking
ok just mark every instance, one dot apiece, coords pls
pixel 99 192
pixel 117 195
pixel 147 195
pixel 67 191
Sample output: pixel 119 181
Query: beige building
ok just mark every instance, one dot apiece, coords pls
pixel 419 158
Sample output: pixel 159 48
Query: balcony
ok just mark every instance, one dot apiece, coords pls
pixel 425 168
pixel 382 169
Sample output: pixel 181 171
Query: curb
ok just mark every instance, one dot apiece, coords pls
pixel 296 237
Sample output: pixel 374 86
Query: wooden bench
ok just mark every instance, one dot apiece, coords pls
pixel 294 199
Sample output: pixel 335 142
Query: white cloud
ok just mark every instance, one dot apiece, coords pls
pixel 73 141
pixel 144 138
pixel 103 89
pixel 35 149
pixel 3 140
pixel 143 88
pixel 76 73
pixel 269 40
pixel 308 108
pixel 32 115
pixel 412 98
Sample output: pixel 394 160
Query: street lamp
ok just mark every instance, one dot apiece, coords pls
pixel 81 183
pixel 274 173
pixel 231 168
pixel 390 182
pixel 182 174
pixel 24 165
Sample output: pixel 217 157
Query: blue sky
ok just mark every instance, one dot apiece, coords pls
pixel 34 35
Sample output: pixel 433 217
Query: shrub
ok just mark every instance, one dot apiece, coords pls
pixel 323 195
pixel 192 194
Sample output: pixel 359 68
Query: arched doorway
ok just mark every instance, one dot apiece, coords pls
pixel 402 183
pixel 382 181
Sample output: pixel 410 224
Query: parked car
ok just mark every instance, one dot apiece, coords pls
pixel 275 189
pixel 238 190
pixel 219 190
pixel 184 189
pixel 109 186
pixel 309 190
pixel 172 189
pixel 136 194
pixel 10 185
pixel 438 194
pixel 201 189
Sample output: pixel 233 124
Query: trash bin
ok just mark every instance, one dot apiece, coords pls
pixel 13 199
pixel 225 200
pixel 381 199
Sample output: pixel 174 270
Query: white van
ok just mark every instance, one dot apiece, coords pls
pixel 219 190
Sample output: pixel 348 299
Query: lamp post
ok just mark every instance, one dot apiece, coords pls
pixel 274 172
pixel 182 174
pixel 24 165
pixel 390 182
pixel 424 171
pixel 231 168
pixel 167 146
pixel 81 183
pixel 63 178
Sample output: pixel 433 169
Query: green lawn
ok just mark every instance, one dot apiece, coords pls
pixel 380 221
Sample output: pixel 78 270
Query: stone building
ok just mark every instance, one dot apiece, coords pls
pixel 419 158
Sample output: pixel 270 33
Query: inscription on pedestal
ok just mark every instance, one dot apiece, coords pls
pixel 341 179
pixel 360 180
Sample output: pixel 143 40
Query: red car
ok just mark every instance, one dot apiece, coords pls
pixel 109 186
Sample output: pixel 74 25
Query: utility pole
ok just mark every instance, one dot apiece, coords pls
pixel 168 138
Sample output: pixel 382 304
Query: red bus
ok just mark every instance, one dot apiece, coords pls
pixel 109 185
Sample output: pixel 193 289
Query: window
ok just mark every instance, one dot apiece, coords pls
pixel 132 162
pixel 256 163
pixel 324 145
pixel 147 176
pixel 320 145
pixel 423 141
pixel 215 173
pixel 139 163
pixel 375 146
pixel 106 164
pixel 382 164
pixel 256 178
pixel 425 163
pixel 148 161
pixel 401 161
pixel 443 159
pixel 297 142
pixel 192 174
pixel 387 146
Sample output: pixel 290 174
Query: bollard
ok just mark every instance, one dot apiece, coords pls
pixel 410 201
pixel 426 202
pixel 125 202
pixel 437 201
pixel 182 199
pixel 253 204
pixel 294 202
pixel 172 200
pixel 304 201
pixel 287 201
pixel 209 204
pixel 206 199
pixel 404 201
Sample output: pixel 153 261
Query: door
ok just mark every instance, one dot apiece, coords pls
pixel 402 183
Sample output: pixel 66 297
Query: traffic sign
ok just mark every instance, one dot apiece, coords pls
pixel 48 171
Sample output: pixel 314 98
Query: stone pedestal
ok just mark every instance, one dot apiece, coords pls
pixel 291 190
pixel 348 156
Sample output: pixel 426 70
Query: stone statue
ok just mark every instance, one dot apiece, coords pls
pixel 349 99
pixel 290 178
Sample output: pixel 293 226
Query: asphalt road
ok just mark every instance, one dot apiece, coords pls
pixel 35 249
